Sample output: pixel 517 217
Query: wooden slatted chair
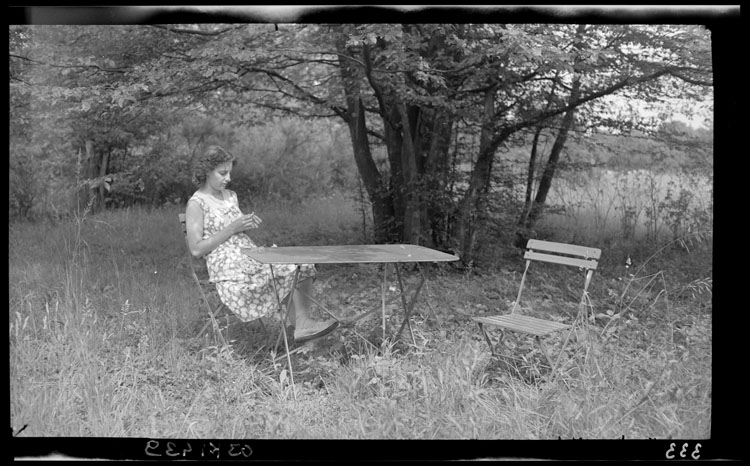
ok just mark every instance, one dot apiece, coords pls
pixel 582 257
pixel 199 272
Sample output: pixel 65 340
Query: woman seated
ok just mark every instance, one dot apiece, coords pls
pixel 216 230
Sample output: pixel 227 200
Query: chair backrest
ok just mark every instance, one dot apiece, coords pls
pixel 199 272
pixel 197 266
pixel 561 253
pixel 183 223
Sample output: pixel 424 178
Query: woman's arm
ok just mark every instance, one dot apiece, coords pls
pixel 199 247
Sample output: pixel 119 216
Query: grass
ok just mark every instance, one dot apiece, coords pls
pixel 102 335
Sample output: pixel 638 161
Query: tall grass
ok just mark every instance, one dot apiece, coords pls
pixel 103 323
pixel 599 205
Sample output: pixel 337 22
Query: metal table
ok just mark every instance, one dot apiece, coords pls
pixel 350 254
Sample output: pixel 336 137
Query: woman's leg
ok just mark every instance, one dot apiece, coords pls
pixel 301 304
pixel 300 312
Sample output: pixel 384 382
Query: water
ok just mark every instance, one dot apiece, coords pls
pixel 635 201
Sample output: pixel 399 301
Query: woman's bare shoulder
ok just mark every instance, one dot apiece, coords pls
pixel 195 206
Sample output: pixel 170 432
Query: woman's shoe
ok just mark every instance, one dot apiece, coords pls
pixel 316 331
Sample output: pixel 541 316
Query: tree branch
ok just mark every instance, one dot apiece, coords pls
pixel 53 65
pixel 196 32
pixel 697 82
pixel 629 81
pixel 309 96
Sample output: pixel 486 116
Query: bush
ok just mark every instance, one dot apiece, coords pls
pixel 291 160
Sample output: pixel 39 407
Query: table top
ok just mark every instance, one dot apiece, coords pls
pixel 362 253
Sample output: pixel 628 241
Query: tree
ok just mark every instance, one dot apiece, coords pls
pixel 76 94
pixel 421 101
pixel 499 79
pixel 680 63
pixel 100 91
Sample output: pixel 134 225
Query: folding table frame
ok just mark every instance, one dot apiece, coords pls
pixel 350 254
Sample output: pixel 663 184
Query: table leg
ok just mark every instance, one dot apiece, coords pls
pixel 284 317
pixel 385 274
pixel 426 299
pixel 407 308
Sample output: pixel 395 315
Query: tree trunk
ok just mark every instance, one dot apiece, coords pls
pixel 382 207
pixel 88 170
pixel 549 170
pixel 103 165
pixel 412 207
pixel 470 206
pixel 522 235
pixel 533 210
pixel 530 176
pixel 436 173
pixel 394 145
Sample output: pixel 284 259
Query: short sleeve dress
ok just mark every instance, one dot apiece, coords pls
pixel 244 285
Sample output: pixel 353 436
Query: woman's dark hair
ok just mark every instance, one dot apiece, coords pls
pixel 212 158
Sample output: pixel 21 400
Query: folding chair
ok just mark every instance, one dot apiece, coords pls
pixel 585 258
pixel 199 272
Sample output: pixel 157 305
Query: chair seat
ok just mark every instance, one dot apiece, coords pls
pixel 523 323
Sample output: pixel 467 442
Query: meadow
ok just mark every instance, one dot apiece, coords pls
pixel 104 321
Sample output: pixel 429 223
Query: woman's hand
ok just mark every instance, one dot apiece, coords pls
pixel 245 222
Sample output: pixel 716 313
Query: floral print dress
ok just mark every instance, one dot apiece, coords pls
pixel 244 285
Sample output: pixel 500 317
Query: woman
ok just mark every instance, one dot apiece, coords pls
pixel 216 230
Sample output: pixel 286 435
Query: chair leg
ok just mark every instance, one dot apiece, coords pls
pixel 209 323
pixel 205 327
pixel 544 351
pixel 212 322
pixel 486 338
pixel 500 341
pixel 509 361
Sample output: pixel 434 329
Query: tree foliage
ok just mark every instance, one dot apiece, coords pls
pixel 407 88
pixel 431 109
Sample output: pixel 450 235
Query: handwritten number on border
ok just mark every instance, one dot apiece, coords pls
pixel 683 451
pixel 210 449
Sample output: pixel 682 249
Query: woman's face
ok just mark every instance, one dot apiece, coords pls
pixel 219 176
